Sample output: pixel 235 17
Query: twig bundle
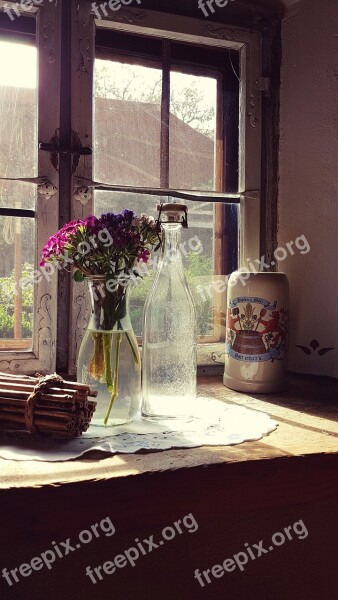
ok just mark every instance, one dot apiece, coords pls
pixel 45 405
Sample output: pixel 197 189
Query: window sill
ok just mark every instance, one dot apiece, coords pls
pixel 307 415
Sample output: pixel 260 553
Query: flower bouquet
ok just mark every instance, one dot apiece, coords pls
pixel 108 252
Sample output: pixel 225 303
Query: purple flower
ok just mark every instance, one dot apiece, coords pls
pixel 124 217
pixel 128 215
pixel 108 218
pixel 93 223
pixel 131 238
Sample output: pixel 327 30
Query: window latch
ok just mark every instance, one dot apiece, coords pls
pixel 73 149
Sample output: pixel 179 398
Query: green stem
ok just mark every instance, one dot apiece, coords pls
pixel 96 367
pixel 134 353
pixel 129 340
pixel 116 378
pixel 108 374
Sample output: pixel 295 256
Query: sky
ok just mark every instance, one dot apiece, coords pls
pixel 18 65
pixel 18 68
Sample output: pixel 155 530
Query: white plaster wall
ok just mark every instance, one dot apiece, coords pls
pixel 308 190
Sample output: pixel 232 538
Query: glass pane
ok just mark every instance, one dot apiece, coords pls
pixel 192 132
pixel 127 124
pixel 200 254
pixel 17 244
pixel 18 109
pixel 14 194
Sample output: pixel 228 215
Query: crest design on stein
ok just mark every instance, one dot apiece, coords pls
pixel 257 330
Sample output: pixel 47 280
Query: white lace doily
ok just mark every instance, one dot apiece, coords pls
pixel 214 424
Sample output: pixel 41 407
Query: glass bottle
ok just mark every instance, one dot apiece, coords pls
pixel 169 332
pixel 109 359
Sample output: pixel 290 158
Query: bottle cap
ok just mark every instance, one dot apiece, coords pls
pixel 173 213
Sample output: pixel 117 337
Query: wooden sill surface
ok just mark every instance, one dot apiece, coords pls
pixel 307 414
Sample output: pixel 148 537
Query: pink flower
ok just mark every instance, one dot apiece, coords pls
pixel 143 255
pixel 130 237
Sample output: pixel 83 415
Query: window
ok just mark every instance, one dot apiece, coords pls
pixel 27 216
pixel 153 107
pixel 18 77
pixel 159 123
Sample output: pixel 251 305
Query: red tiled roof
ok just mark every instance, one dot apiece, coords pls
pixel 128 146
pixel 127 142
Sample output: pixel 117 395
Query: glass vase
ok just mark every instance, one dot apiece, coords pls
pixel 109 359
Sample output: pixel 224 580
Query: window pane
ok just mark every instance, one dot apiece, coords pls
pixel 18 109
pixel 199 253
pixel 17 246
pixel 192 132
pixel 127 124
pixel 14 194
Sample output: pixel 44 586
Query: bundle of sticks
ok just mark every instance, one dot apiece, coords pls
pixel 45 405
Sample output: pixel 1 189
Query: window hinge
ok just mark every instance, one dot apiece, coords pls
pixel 264 84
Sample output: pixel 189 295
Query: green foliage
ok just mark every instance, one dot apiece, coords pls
pixel 7 324
pixel 78 276
pixel 198 266
pixel 7 294
pixel 7 288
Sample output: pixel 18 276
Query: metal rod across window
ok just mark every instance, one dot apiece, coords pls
pixel 17 212
pixel 181 194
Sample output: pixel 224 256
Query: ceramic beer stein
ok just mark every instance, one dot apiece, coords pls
pixel 256 356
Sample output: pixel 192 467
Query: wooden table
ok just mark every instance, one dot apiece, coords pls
pixel 237 495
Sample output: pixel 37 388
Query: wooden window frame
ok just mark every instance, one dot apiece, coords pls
pixel 78 119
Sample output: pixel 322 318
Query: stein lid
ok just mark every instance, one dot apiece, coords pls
pixel 172 213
